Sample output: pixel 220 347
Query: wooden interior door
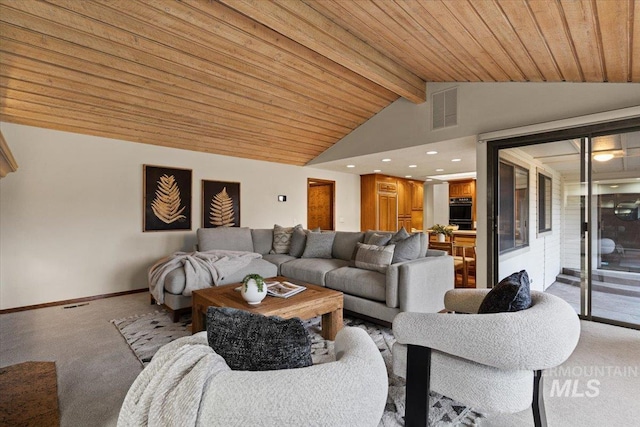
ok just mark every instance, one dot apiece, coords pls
pixel 320 204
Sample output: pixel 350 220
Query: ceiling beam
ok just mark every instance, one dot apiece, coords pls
pixel 7 161
pixel 303 24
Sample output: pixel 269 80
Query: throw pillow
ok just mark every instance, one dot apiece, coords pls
pixel 511 294
pixel 318 245
pixel 253 342
pixel 372 257
pixel 407 249
pixel 282 238
pixel 400 235
pixel 378 239
pixel 298 242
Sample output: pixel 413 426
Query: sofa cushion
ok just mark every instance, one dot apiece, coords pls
pixel 225 238
pixel 277 259
pixel 298 242
pixel 282 238
pixel 369 233
pixel 400 235
pixel 253 342
pixel 319 245
pixel 373 257
pixel 311 270
pixel 262 240
pixel 407 249
pixel 511 294
pixel 378 239
pixel 354 281
pixel 344 244
pixel 256 266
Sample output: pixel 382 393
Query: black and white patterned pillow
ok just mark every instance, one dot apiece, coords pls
pixel 282 238
pixel 253 342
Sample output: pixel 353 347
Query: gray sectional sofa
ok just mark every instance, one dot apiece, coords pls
pixel 415 285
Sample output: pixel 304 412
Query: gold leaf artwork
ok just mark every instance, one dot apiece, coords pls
pixel 166 205
pixel 221 212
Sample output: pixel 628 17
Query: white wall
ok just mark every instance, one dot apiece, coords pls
pixel 541 258
pixel 71 215
pixel 482 107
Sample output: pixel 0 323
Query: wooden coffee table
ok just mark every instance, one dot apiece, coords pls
pixel 312 302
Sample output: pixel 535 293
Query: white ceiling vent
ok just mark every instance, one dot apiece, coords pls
pixel 445 108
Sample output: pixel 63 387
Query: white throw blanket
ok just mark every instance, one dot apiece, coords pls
pixel 201 269
pixel 169 390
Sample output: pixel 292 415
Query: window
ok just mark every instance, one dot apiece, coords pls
pixel 544 203
pixel 513 207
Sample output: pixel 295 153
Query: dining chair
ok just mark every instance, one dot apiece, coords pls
pixel 458 261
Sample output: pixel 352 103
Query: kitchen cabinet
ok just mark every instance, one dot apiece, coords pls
pixel 387 212
pixel 388 203
pixel 465 188
pixel 417 196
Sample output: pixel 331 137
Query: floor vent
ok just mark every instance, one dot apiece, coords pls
pixel 445 108
pixel 75 305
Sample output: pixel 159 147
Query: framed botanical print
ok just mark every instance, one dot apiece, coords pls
pixel 220 204
pixel 167 198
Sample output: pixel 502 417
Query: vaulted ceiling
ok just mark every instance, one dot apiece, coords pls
pixel 284 80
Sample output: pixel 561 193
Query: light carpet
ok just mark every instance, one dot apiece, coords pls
pixel 145 334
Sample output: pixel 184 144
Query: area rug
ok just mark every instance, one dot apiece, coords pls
pixel 145 334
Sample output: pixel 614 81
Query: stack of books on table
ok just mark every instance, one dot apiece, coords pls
pixel 283 289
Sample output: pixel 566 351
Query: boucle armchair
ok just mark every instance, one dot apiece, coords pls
pixel 491 362
pixel 187 383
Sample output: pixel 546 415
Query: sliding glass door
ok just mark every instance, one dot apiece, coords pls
pixel 614 188
pixel 565 206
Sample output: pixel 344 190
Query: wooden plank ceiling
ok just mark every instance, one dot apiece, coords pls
pixel 282 81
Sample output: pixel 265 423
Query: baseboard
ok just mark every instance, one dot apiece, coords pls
pixel 71 301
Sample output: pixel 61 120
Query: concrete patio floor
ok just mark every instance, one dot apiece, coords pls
pixel 623 308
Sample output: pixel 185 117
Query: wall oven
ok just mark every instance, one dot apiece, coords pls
pixel 461 212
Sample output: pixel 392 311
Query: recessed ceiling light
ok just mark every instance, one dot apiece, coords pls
pixel 429 179
pixel 456 160
pixel 377 170
pixel 413 166
pixel 603 157
pixel 432 152
pixel 614 186
pixel 439 170
pixel 407 176
pixel 351 166
pixel 386 160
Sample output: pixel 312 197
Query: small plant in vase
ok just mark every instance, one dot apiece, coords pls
pixel 253 288
pixel 441 231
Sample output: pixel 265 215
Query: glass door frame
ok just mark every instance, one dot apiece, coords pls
pixel 585 133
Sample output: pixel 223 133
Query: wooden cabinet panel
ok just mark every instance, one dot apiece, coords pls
pixel 462 188
pixel 405 222
pixel 389 203
pixel 417 220
pixel 404 197
pixel 387 212
pixel 387 187
pixel 417 196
